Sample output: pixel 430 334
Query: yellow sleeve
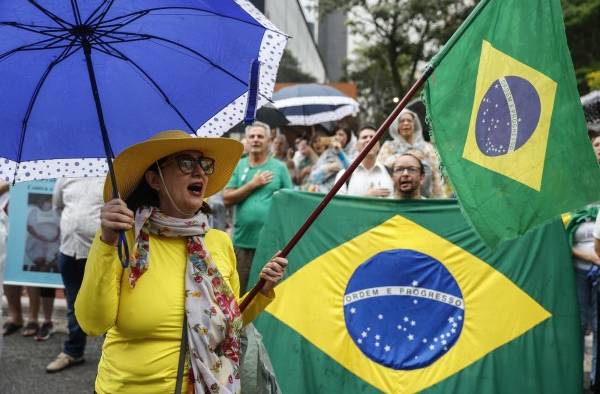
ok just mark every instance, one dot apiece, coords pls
pixel 256 306
pixel 97 302
pixel 260 302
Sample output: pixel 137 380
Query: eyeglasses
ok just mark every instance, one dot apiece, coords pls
pixel 187 164
pixel 410 170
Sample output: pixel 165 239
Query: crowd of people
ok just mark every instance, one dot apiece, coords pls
pixel 320 157
pixel 201 211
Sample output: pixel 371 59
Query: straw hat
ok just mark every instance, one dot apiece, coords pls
pixel 133 162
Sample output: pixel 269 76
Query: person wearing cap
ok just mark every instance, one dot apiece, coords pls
pixel 180 289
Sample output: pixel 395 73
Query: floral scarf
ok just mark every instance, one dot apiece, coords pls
pixel 213 316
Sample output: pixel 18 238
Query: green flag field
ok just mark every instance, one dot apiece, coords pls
pixel 402 296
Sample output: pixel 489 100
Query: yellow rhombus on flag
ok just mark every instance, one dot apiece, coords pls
pixel 311 302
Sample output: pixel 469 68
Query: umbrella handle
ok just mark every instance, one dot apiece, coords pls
pixel 123 249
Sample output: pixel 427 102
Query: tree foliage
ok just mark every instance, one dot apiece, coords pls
pixel 398 37
pixel 583 36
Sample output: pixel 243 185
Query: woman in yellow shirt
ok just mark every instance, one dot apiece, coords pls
pixel 178 264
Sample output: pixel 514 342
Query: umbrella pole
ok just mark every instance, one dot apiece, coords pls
pixel 347 174
pixel 87 50
pixel 122 248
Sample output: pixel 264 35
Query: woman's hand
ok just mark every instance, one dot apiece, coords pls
pixel 115 216
pixel 272 272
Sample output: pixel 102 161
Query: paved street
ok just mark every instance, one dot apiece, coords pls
pixel 23 362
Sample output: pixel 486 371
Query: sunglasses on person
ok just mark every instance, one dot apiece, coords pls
pixel 187 163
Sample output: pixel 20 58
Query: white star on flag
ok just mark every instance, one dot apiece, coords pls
pixel 380 316
pixel 431 347
pixel 406 318
pixel 359 340
pixel 377 337
pixel 450 320
pixel 387 348
pixel 424 340
pixel 377 344
pixel 411 337
pixel 363 334
pixel 412 323
pixel 415 283
pixel 353 310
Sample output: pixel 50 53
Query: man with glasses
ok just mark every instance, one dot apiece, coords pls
pixel 250 190
pixel 370 179
pixel 408 175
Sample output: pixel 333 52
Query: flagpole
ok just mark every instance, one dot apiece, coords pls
pixel 345 176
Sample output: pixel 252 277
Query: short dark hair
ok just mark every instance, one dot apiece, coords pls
pixel 365 127
pixel 421 166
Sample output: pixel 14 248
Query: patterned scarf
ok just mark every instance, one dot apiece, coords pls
pixel 213 316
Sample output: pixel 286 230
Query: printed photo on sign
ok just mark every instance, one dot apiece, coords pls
pixel 43 235
pixel 33 236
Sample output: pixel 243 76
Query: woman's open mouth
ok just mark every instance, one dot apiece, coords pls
pixel 196 189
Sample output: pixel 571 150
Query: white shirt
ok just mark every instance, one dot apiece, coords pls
pixel 362 180
pixel 597 227
pixel 80 200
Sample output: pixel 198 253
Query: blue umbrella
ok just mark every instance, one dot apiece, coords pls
pixel 309 104
pixel 81 81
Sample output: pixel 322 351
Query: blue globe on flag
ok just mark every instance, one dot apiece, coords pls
pixel 403 309
pixel 508 116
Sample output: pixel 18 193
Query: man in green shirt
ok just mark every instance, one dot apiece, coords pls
pixel 250 190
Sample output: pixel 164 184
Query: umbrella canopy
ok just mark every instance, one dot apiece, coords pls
pixel 309 104
pixel 81 81
pixel 268 114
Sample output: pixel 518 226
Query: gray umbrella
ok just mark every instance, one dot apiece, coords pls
pixel 267 114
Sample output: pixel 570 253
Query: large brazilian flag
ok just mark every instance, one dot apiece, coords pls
pixel 507 120
pixel 402 296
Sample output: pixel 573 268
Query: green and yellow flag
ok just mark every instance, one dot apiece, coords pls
pixel 400 297
pixel 507 120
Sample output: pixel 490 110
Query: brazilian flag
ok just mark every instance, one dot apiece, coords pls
pixel 400 297
pixel 507 120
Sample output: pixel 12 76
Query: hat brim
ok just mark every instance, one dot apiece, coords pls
pixel 131 165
